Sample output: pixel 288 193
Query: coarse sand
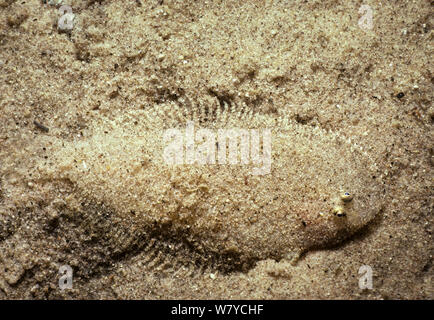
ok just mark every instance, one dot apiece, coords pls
pixel 84 182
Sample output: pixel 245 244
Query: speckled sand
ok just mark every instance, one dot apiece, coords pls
pixel 83 182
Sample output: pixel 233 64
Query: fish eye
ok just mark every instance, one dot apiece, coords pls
pixel 346 197
pixel 339 212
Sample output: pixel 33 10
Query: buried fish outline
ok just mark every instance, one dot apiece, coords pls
pixel 322 188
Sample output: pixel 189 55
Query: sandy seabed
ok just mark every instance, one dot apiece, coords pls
pixel 83 109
